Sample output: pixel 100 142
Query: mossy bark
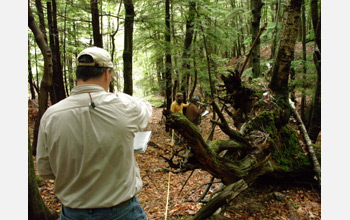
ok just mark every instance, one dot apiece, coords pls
pixel 37 210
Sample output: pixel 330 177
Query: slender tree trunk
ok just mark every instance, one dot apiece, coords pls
pixel 168 78
pixel 30 75
pixel 64 52
pixel 194 84
pixel 128 46
pixel 303 40
pixel 315 122
pixel 96 24
pixel 42 27
pixel 187 46
pixel 58 74
pixel 111 85
pixel 46 81
pixel 160 74
pixel 274 43
pixel 256 11
pixel 37 72
pixel 57 92
pixel 316 22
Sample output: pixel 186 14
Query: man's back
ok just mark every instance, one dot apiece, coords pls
pixel 193 113
pixel 91 149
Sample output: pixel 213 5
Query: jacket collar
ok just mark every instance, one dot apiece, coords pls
pixel 86 88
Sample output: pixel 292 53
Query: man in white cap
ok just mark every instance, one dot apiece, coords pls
pixel 85 144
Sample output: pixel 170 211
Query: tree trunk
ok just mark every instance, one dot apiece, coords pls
pixel 315 122
pixel 112 84
pixel 57 92
pixel 57 80
pixel 30 75
pixel 168 78
pixel 46 81
pixel 36 206
pixel 186 67
pixel 285 50
pixel 66 84
pixel 256 11
pixel 42 27
pixel 128 46
pixel 316 22
pixel 303 41
pixel 274 43
pixel 96 24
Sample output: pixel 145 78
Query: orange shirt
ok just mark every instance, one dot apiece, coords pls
pixel 176 108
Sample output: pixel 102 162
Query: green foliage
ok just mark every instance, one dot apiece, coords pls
pixel 225 24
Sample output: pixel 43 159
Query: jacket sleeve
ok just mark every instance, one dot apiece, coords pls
pixel 42 156
pixel 145 112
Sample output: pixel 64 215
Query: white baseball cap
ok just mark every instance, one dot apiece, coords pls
pixel 100 56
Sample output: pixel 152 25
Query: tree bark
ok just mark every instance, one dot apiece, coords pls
pixel 30 75
pixel 96 24
pixel 303 41
pixel 168 77
pixel 315 122
pixel 46 81
pixel 128 46
pixel 256 11
pixel 316 22
pixel 222 198
pixel 285 50
pixel 187 47
pixel 39 7
pixel 57 78
pixel 274 43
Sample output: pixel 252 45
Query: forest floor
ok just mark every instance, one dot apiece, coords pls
pixel 259 201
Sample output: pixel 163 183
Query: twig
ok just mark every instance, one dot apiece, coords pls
pixel 207 189
pixel 186 182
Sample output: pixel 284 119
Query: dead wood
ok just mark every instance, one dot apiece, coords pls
pixel 317 167
pixel 221 198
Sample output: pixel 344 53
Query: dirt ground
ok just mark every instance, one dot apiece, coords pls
pixel 257 202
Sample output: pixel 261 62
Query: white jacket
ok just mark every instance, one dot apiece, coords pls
pixel 89 151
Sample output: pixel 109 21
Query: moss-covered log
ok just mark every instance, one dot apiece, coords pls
pixel 207 157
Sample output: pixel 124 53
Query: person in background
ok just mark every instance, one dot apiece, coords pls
pixel 85 145
pixel 178 105
pixel 193 113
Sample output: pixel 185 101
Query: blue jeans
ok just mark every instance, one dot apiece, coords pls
pixel 130 210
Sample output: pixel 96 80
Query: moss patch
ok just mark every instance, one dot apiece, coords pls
pixel 264 122
pixel 289 155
